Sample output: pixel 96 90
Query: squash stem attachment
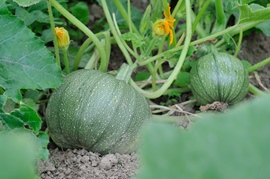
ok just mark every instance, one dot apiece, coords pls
pixel 125 72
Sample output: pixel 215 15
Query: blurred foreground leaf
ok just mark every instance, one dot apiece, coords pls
pixel 231 145
pixel 18 154
pixel 27 120
pixel 25 63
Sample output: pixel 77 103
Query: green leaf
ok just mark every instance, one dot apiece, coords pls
pixel 247 14
pixel 26 3
pixel 137 39
pixel 3 100
pixel 182 79
pixel 231 145
pixel 157 7
pixel 265 27
pixel 246 63
pixel 81 12
pixel 3 7
pixel 29 117
pixel 25 16
pixel 43 141
pixel 20 117
pixel 8 121
pixel 145 22
pixel 25 63
pixel 140 76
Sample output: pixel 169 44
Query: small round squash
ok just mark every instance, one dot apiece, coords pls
pixel 219 77
pixel 96 111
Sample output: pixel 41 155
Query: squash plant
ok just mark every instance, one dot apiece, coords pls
pixel 29 71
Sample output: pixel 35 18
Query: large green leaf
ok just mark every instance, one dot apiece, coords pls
pixel 25 63
pixel 231 145
pixel 249 14
pixel 264 26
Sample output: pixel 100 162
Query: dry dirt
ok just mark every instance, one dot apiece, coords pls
pixel 82 164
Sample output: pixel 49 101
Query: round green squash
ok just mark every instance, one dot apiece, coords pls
pixel 96 111
pixel 219 77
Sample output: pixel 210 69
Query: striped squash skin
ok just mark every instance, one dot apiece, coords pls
pixel 95 111
pixel 219 77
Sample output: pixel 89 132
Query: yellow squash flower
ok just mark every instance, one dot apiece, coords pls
pixel 165 26
pixel 62 37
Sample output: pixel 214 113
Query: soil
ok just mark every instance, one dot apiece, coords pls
pixel 82 164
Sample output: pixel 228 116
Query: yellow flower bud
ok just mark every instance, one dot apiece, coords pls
pixel 163 27
pixel 62 37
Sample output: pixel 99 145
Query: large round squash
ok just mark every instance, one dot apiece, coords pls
pixel 219 77
pixel 95 111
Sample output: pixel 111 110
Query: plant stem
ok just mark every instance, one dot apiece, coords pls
pixel 154 74
pixel 125 72
pixel 124 14
pixel 124 44
pixel 93 59
pixel 199 16
pixel 255 90
pixel 66 61
pixel 220 12
pixel 239 43
pixel 180 41
pixel 56 49
pixel 84 29
pixel 259 65
pixel 149 48
pixel 178 66
pixel 114 32
pixel 220 23
pixel 80 53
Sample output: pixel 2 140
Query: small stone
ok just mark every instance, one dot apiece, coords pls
pixel 85 159
pixel 107 161
pixel 94 163
pixel 67 171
